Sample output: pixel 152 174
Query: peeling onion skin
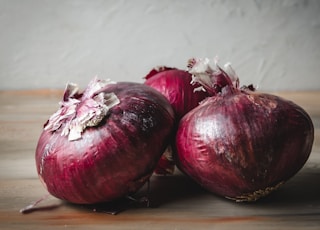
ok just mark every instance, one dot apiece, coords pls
pixel 245 144
pixel 114 158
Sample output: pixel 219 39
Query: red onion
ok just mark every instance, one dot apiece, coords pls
pixel 242 144
pixel 104 143
pixel 175 85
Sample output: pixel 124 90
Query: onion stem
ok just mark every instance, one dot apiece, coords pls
pixel 80 110
pixel 213 80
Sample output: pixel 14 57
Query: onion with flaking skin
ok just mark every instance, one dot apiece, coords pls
pixel 175 85
pixel 184 93
pixel 241 144
pixel 104 143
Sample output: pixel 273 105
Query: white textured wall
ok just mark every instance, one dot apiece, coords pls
pixel 272 44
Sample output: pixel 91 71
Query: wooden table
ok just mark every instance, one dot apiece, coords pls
pixel 176 202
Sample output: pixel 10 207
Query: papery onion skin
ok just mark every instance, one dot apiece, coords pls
pixel 114 158
pixel 243 145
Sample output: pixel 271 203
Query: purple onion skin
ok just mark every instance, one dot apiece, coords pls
pixel 175 85
pixel 113 159
pixel 243 145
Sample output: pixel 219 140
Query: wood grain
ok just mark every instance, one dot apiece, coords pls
pixel 175 201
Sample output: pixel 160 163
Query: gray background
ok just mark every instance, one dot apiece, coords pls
pixel 43 44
